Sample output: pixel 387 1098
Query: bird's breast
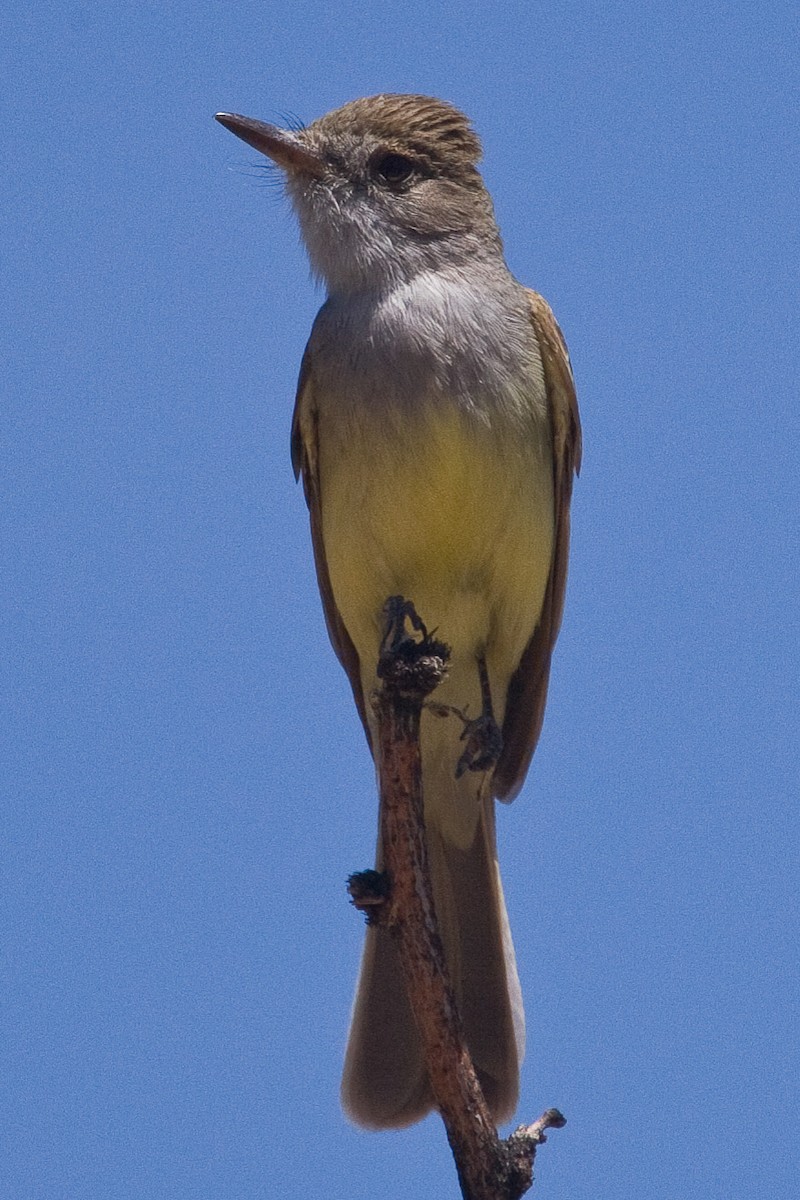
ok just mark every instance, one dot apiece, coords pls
pixel 451 510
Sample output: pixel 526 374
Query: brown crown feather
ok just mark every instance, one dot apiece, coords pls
pixel 429 129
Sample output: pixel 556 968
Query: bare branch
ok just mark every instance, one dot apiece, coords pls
pixel 411 665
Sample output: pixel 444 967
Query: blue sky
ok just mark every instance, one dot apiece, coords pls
pixel 186 784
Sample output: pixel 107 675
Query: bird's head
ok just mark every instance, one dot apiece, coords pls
pixel 383 188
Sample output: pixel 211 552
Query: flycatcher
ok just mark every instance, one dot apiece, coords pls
pixel 437 433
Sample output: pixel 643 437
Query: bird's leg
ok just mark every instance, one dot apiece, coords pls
pixel 412 661
pixel 396 611
pixel 483 738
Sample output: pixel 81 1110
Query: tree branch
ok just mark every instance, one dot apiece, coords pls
pixel 411 665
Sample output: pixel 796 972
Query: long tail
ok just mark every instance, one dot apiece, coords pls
pixel 385 1084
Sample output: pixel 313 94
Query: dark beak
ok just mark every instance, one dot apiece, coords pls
pixel 284 148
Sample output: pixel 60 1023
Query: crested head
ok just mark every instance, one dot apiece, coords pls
pixel 439 136
pixel 384 187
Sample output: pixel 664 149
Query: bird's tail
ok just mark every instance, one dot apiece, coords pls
pixel 385 1084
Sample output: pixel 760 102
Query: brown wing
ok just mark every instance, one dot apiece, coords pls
pixel 305 460
pixel 527 692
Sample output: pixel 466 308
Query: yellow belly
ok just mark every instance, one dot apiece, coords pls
pixel 449 514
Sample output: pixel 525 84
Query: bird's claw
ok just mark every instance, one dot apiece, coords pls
pixel 484 743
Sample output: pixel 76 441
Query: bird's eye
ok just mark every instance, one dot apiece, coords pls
pixel 394 169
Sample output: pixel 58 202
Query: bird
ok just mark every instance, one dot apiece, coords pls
pixel 436 431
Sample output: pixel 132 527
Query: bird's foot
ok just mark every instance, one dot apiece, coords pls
pixel 484 743
pixel 412 659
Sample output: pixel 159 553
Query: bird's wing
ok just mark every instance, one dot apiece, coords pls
pixel 527 692
pixel 305 460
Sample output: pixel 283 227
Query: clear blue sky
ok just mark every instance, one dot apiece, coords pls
pixel 185 781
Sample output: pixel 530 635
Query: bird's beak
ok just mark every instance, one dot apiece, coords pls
pixel 284 148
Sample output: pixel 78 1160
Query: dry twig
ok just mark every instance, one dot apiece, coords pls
pixel 412 664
